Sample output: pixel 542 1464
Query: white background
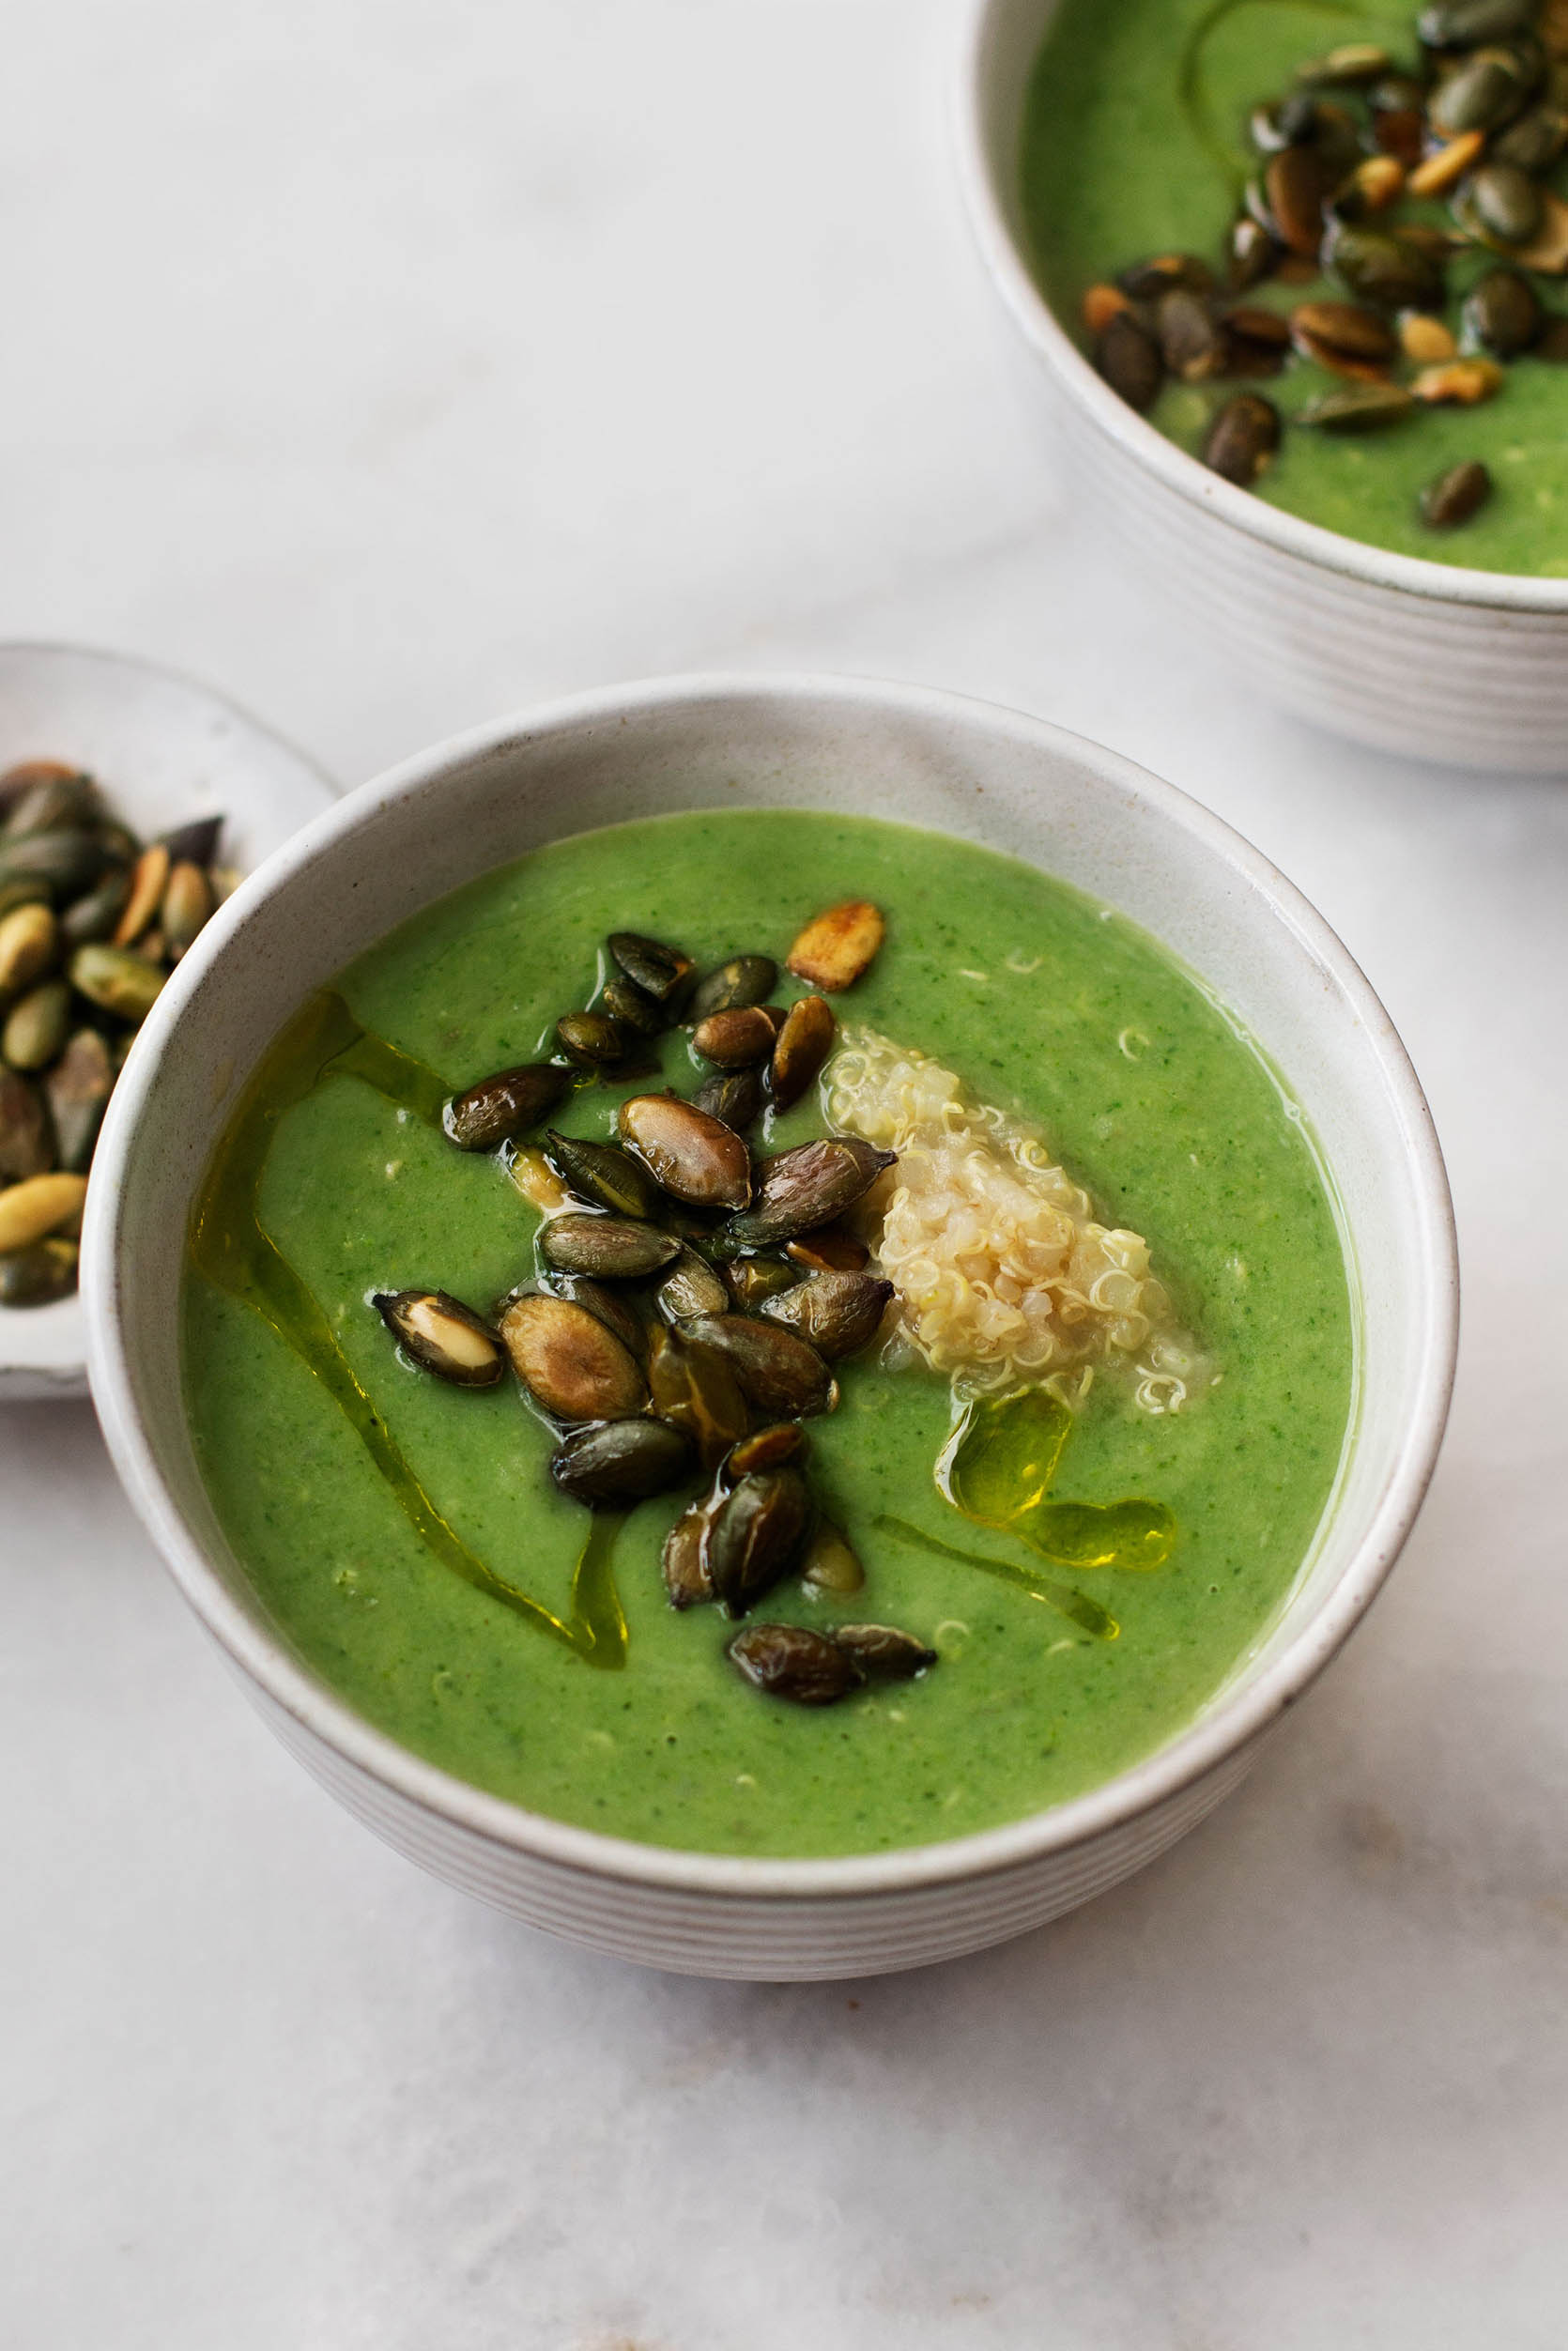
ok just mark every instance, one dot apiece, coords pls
pixel 393 364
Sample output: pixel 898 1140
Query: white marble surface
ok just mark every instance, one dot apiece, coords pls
pixel 394 363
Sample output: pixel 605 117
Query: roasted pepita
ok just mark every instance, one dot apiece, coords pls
pixel 118 980
pixel 26 1145
pixel 832 1249
pixel 68 863
pixel 830 1567
pixel 78 1090
pixel 771 1447
pixel 1465 24
pixel 56 799
pixel 694 1157
pixel 570 1361
pixel 39 1275
pixel 40 1205
pixel 690 1287
pixel 611 1465
pixel 838 1312
pixel 503 1106
pixel 1242 438
pixel 734 985
pixel 1192 343
pixel 1455 496
pixel 610 1247
pixel 602 1173
pixel 791 1661
pixel 882 1652
pixel 595 1041
pixel 442 1335
pixel 740 1038
pixel 1128 355
pixel 36 1026
pixel 194 843
pixel 1458 383
pixel 607 1302
pixel 803 1188
pixel 149 878
pixel 1297 184
pixel 660 972
pixel 757 1535
pixel 735 1097
pixel 1502 311
pixel 1507 203
pixel 93 916
pixel 625 1002
pixel 778 1372
pixel 1359 408
pixel 694 1388
pixel 750 1279
pixel 802 1046
pixel 1347 327
pixel 683 1560
pixel 187 905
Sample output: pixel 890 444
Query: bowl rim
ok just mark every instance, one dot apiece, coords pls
pixel 1288 534
pixel 1228 1726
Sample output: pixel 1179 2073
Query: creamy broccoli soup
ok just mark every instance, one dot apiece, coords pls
pixel 769 1333
pixel 1322 247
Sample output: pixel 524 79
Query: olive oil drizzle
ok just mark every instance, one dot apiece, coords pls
pixel 998 1468
pixel 1193 88
pixel 1076 1605
pixel 230 1249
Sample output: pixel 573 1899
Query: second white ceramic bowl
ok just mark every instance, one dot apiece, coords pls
pixel 928 759
pixel 1467 667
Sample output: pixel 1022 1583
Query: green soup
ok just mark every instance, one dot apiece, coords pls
pixel 1050 1008
pixel 1135 143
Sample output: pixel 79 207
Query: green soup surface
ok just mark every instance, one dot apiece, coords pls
pixel 1135 143
pixel 1048 1006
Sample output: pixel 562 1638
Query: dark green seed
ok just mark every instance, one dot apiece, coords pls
pixel 78 1090
pixel 1358 408
pixel 1534 142
pixel 1465 24
pixel 68 862
pixel 26 1145
pixel 612 1249
pixel 778 1372
pixel 1504 313
pixel 791 1661
pixel 736 1098
pixel 607 1304
pixel 55 803
pixel 757 1533
pixel 751 1279
pixel 36 1026
pixel 882 1652
pixel 93 918
pixel 692 1287
pixel 660 972
pixel 731 987
pixel 1192 343
pixel 625 1002
pixel 442 1335
pixel 602 1173
pixel 611 1463
pixel 696 1391
pixel 1395 273
pixel 117 980
pixel 838 1313
pixel 594 1039
pixel 805 1188
pixel 1455 496
pixel 1129 360
pixel 1479 96
pixel 38 1275
pixel 1506 202
pixel 501 1107
pixel 1242 438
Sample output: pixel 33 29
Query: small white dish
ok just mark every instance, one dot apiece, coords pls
pixel 164 749
pixel 928 759
pixel 1465 667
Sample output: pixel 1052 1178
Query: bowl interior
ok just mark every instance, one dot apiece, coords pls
pixel 165 749
pixel 988 776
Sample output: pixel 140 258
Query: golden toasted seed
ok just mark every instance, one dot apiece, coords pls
pixel 695 1157
pixel 442 1335
pixel 1426 339
pixel 28 938
pixel 803 1044
pixel 566 1358
pixel 537 1180
pixel 768 1449
pixel 149 878
pixel 1459 383
pixel 837 946
pixel 41 1205
pixel 831 1564
pixel 1380 180
pixel 187 904
pixel 1100 305
pixel 1445 169
pixel 36 1026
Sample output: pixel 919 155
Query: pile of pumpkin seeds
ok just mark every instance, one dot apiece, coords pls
pixel 689 1298
pixel 1477 122
pixel 91 924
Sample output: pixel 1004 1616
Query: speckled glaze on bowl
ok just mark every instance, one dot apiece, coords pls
pixel 900 752
pixel 166 750
pixel 1465 667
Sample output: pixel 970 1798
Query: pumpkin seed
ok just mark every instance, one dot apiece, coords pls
pixel 882 1652
pixel 1504 313
pixel 1242 438
pixel 771 1447
pixel 602 1171
pixel 1377 183
pixel 1100 305
pixel 1547 250
pixel 569 1361
pixel 1384 268
pixel 442 1335
pixel 1435 174
pixel 68 863
pixel 750 1279
pixel 1248 323
pixel 1484 92
pixel 625 1002
pixel 93 916
pixel 118 981
pixel 1507 203
pixel 611 1463
pixel 36 1026
pixel 1426 339
pixel 613 1249
pixel 187 905
pixel 757 1533
pixel 38 1205
pixel 596 1040
pixel 149 878
pixel 1465 24
pixel 1129 359
pixel 694 1388
pixel 803 1044
pixel 739 1039
pixel 1459 383
pixel 660 972
pixel 692 1287
pixel 1455 496
pixel 28 938
pixel 694 1157
pixel 118 843
pixel 1192 343
pixel 735 1097
pixel 1534 142
pixel 1363 335
pixel 833 1250
pixel 604 1301
pixel 791 1661
pixel 1359 408
pixel 1160 273
pixel 195 843
pixel 1348 67
pixel 1252 253
pixel 838 1312
pixel 683 1560
pixel 778 1371
pixel 78 1090
pixel 1297 183
pixel 1400 133
pixel 830 1568
pixel 39 1275
pixel 734 985
pixel 501 1106
pixel 27 1146
pixel 805 1188
pixel 24 889
pixel 54 803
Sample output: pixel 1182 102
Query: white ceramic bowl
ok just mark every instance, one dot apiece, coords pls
pixel 1461 666
pixel 165 749
pixel 986 774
